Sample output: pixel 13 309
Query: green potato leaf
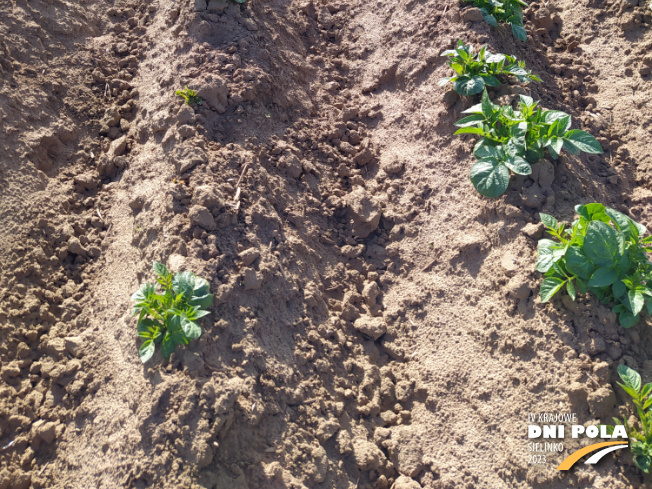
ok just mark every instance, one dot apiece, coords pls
pixel 578 264
pixel 143 293
pixel 444 81
pixel 601 244
pixel 484 149
pixel 626 319
pixel 469 130
pixel 489 18
pixel 519 32
pixel 647 389
pixel 190 328
pixel 643 462
pixel 593 212
pixel 148 328
pixel 549 221
pixel 583 141
pixel 146 350
pixel 546 256
pixel 603 277
pixel 570 147
pixel 518 165
pixel 630 377
pixel 636 301
pixel 205 301
pixel 469 85
pixel 618 289
pixel 160 269
pixel 490 177
pixel 550 116
pixel 471 120
pixel 490 81
pixel 555 146
pixel 184 283
pixel 570 289
pixel 201 287
pixel 625 223
pixel 486 105
pixel 549 287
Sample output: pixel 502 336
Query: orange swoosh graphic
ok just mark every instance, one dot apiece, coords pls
pixel 574 457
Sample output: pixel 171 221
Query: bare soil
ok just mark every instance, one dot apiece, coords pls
pixel 377 322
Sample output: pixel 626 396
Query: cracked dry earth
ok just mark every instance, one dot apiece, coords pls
pixel 376 322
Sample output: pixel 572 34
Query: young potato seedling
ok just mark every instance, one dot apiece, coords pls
pixel 169 317
pixel 508 11
pixel 513 139
pixel 603 252
pixel 190 96
pixel 641 441
pixel 475 71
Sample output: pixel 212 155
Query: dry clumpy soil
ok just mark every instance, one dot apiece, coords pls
pixel 376 321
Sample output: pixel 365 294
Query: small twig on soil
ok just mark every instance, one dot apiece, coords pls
pixel 238 190
pixel 214 369
pixel 445 9
pixel 424 269
pixel 106 89
pixel 244 169
pixel 280 267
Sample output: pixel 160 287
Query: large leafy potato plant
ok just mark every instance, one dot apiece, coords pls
pixel 513 139
pixel 603 252
pixel 169 316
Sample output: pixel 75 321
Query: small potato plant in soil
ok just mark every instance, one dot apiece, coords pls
pixel 602 252
pixel 169 316
pixel 641 440
pixel 508 12
pixel 476 71
pixel 189 96
pixel 513 139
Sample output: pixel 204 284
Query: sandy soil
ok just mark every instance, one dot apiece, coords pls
pixel 377 322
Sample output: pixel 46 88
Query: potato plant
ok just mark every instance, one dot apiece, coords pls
pixel 190 96
pixel 641 444
pixel 513 139
pixel 603 252
pixel 476 71
pixel 169 316
pixel 508 11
